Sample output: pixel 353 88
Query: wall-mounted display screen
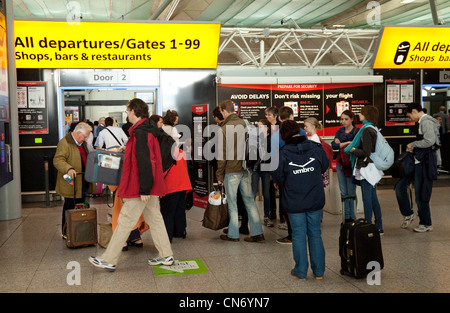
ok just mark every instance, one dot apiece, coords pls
pixel 5 135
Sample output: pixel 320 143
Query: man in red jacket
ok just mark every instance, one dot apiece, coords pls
pixel 141 185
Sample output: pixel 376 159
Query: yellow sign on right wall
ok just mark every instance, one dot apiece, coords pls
pixel 413 47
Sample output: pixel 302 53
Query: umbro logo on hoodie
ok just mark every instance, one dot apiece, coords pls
pixel 302 169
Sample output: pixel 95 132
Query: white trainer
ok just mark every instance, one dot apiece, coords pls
pixel 423 229
pixel 162 260
pixel 99 262
pixel 407 220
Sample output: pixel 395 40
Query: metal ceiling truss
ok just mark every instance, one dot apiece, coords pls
pixel 310 48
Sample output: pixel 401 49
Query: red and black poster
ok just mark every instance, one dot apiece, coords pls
pixel 32 105
pixel 340 97
pixel 251 101
pixel 304 99
pixel 200 184
pixel 325 102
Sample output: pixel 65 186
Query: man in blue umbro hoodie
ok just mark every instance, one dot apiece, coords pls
pixel 301 165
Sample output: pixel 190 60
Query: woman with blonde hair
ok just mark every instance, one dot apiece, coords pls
pixel 311 127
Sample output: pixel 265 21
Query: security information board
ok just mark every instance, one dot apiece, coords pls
pixel 59 44
pixel 399 93
pixel 200 178
pixel 413 47
pixel 325 102
pixel 32 107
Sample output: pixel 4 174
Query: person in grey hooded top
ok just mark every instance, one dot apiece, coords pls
pixel 425 170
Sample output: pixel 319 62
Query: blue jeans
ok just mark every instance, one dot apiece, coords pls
pixel 401 191
pixel 371 204
pixel 232 182
pixel 265 179
pixel 347 188
pixel 402 195
pixel 306 229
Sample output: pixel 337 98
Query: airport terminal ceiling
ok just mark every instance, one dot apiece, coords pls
pixel 263 33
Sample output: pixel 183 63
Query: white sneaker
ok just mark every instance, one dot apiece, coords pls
pixel 423 229
pixel 162 260
pixel 99 262
pixel 407 220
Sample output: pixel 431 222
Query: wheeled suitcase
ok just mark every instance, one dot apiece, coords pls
pixel 80 227
pixel 359 244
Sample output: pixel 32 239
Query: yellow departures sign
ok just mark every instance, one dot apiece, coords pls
pixel 413 47
pixel 59 44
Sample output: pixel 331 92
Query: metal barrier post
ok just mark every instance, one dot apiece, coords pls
pixel 46 178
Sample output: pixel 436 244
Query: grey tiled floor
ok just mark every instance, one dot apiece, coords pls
pixel 33 257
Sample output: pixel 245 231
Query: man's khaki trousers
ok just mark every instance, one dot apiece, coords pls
pixel 128 217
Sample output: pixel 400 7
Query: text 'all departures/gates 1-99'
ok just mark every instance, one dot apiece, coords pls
pixel 57 44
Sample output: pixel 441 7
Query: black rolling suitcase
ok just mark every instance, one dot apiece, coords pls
pixel 80 228
pixel 359 244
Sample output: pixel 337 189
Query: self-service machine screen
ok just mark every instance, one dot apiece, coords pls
pixel 5 135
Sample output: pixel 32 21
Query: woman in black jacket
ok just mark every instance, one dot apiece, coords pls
pixel 301 165
pixel 362 147
pixel 342 139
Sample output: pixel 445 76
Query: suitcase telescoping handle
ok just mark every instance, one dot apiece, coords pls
pixel 75 189
pixel 343 199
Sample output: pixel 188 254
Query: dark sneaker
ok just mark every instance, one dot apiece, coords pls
pixel 293 274
pixel 225 237
pixel 256 238
pixel 284 241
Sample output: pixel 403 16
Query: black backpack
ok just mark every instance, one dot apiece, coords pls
pixel 166 145
pixel 403 165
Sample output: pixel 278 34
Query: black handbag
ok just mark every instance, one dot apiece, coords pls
pixel 216 213
pixel 403 166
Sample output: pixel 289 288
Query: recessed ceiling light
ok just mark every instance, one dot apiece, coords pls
pixel 406 1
